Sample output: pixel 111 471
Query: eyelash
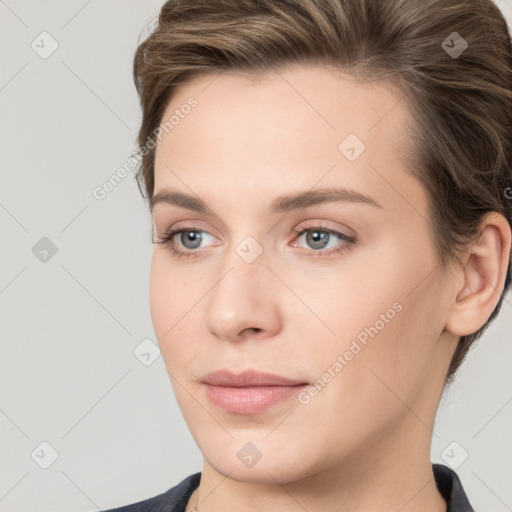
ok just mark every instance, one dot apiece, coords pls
pixel 170 234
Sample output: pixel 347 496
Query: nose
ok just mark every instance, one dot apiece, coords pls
pixel 244 303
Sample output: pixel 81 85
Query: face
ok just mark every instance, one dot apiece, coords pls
pixel 310 259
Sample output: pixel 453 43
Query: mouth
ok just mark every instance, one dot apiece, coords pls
pixel 250 392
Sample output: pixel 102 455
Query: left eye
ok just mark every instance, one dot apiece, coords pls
pixel 318 238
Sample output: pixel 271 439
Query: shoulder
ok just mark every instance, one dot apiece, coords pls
pixel 173 500
pixel 450 486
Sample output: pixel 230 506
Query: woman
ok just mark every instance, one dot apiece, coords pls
pixel 329 182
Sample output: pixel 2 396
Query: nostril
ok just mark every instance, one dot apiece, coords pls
pixel 249 329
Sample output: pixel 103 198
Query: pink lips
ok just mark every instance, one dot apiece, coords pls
pixel 249 392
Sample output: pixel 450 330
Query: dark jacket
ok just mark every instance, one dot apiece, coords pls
pixel 176 498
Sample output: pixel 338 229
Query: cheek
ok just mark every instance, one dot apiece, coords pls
pixel 171 290
pixel 159 297
pixel 365 374
pixel 385 312
pixel 168 301
pixel 177 313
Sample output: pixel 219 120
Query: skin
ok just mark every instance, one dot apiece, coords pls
pixel 364 440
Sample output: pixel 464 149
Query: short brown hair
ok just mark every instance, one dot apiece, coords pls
pixel 460 105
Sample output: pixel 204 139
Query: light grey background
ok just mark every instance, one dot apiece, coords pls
pixel 69 325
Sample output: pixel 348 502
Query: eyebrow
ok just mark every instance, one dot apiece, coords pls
pixel 286 203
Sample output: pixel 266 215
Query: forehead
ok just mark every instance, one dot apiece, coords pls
pixel 318 90
pixel 285 128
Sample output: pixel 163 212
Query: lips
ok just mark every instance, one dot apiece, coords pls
pixel 247 378
pixel 250 392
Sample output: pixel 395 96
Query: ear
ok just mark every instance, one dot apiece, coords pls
pixel 481 277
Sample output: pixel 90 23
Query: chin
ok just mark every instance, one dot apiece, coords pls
pixel 262 473
pixel 257 461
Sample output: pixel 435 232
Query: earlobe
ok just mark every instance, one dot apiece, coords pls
pixel 482 276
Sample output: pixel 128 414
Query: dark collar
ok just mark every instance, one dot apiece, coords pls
pixel 447 481
pixel 449 485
